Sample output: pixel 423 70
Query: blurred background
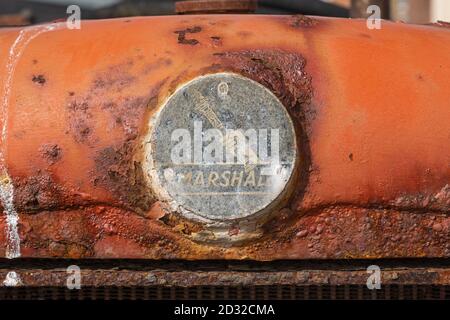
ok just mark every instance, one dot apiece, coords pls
pixel 24 12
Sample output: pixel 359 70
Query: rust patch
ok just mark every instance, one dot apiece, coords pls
pixel 182 35
pixel 116 167
pixel 340 232
pixel 301 21
pixel 52 153
pixel 349 232
pixel 180 224
pixel 216 40
pixel 117 170
pixel 99 231
pixel 127 113
pixel 280 71
pixel 60 235
pixel 439 201
pixel 80 109
pixel 344 232
pixel 114 246
pixel 191 275
pixel 114 77
pixel 39 79
pixel 80 119
pixel 41 192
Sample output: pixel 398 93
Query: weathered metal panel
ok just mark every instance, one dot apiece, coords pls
pixel 370 108
pixel 139 278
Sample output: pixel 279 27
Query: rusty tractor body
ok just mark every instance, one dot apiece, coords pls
pixel 370 114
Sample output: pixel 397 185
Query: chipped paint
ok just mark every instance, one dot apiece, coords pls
pixel 23 39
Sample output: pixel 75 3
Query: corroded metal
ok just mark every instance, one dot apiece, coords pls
pixel 373 176
pixel 215 6
pixel 100 277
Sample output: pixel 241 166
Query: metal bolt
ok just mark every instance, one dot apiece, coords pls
pixel 215 6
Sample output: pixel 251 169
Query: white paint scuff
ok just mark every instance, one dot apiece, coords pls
pixel 25 36
pixel 12 218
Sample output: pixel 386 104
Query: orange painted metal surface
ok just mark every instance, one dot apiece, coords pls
pixel 372 108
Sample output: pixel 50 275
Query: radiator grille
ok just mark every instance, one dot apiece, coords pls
pixel 345 292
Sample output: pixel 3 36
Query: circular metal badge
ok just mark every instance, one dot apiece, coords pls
pixel 222 147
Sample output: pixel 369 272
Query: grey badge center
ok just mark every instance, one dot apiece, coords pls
pixel 222 148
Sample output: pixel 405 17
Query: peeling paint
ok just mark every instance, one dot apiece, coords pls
pixel 24 38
